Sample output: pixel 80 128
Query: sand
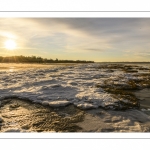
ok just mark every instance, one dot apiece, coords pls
pixel 25 116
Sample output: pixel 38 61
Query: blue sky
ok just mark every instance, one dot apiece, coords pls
pixel 97 39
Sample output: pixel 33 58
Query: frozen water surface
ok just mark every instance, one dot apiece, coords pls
pixel 75 84
pixel 61 85
pixel 66 84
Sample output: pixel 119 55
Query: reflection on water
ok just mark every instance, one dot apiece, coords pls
pixel 12 67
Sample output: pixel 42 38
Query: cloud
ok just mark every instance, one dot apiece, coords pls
pixel 94 49
pixel 118 33
pixel 53 35
pixel 142 54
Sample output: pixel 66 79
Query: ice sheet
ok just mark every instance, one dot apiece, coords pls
pixel 74 84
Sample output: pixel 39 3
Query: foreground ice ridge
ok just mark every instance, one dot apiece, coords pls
pixel 60 86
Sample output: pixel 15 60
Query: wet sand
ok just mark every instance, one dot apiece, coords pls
pixel 24 116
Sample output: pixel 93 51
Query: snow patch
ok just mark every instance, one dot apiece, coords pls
pixel 86 105
pixel 58 103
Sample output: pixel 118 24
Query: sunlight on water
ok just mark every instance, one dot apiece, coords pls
pixel 12 67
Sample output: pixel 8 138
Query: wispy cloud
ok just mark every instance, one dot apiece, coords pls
pixel 56 36
pixel 94 49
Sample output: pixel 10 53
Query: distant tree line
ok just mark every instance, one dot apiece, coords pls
pixel 34 59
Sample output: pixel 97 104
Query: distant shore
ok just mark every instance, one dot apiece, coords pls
pixel 34 59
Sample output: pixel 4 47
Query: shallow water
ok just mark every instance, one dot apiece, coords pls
pixel 13 67
pixel 144 96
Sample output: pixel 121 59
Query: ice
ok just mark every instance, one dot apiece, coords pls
pixel 44 85
pixel 58 103
pixel 86 105
pixel 13 130
pixel 143 109
pixel 98 120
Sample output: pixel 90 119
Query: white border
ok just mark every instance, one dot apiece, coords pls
pixel 75 14
pixel 96 135
pixel 74 5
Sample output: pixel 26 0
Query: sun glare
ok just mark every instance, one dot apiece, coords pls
pixel 10 44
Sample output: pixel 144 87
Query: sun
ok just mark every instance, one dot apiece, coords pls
pixel 10 44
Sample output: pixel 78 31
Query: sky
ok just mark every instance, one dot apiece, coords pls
pixel 96 39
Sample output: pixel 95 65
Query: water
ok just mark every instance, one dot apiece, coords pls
pixel 144 96
pixel 12 67
pixel 42 85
